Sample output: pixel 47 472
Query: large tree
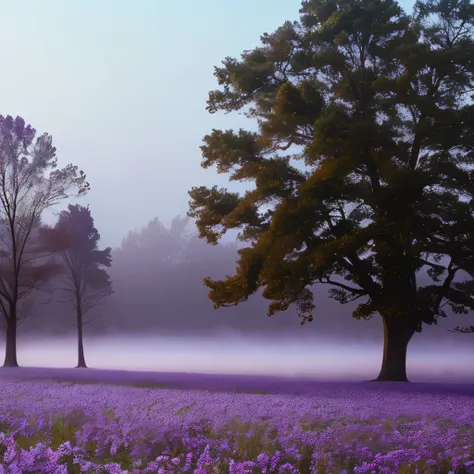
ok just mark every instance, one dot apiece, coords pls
pixel 360 163
pixel 30 183
pixel 86 279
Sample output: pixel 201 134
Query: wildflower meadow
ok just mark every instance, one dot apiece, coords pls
pixel 54 426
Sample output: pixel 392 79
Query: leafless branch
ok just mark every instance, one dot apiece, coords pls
pixel 93 319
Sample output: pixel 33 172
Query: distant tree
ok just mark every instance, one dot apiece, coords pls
pixel 361 163
pixel 30 182
pixel 155 243
pixel 152 270
pixel 86 280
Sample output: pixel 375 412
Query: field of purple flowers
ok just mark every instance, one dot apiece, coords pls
pixel 51 426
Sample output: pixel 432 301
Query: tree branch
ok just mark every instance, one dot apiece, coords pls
pixel 359 291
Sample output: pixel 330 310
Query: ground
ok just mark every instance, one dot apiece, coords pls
pixel 137 422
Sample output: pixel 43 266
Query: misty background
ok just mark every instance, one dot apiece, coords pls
pixel 122 88
pixel 160 318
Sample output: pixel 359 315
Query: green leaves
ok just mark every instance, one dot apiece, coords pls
pixel 227 150
pixel 211 206
pixel 241 80
pixel 304 101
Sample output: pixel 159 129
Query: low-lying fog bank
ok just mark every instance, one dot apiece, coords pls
pixel 301 357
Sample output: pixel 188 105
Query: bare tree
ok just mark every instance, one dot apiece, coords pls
pixel 30 183
pixel 86 282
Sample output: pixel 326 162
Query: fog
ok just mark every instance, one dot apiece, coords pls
pixel 309 357
pixel 157 276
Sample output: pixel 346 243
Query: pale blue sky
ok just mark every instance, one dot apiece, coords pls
pixel 121 85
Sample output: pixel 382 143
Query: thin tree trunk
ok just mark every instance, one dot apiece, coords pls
pixel 81 361
pixel 10 340
pixel 395 342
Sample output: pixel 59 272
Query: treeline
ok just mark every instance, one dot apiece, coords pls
pixel 157 276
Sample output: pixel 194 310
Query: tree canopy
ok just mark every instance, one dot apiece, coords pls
pixel 361 164
pixel 156 243
pixel 86 277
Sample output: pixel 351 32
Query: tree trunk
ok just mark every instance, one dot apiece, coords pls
pixel 81 361
pixel 397 335
pixel 10 341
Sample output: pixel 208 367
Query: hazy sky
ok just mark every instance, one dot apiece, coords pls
pixel 121 86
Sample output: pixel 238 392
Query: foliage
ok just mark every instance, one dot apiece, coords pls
pixel 86 279
pixel 361 164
